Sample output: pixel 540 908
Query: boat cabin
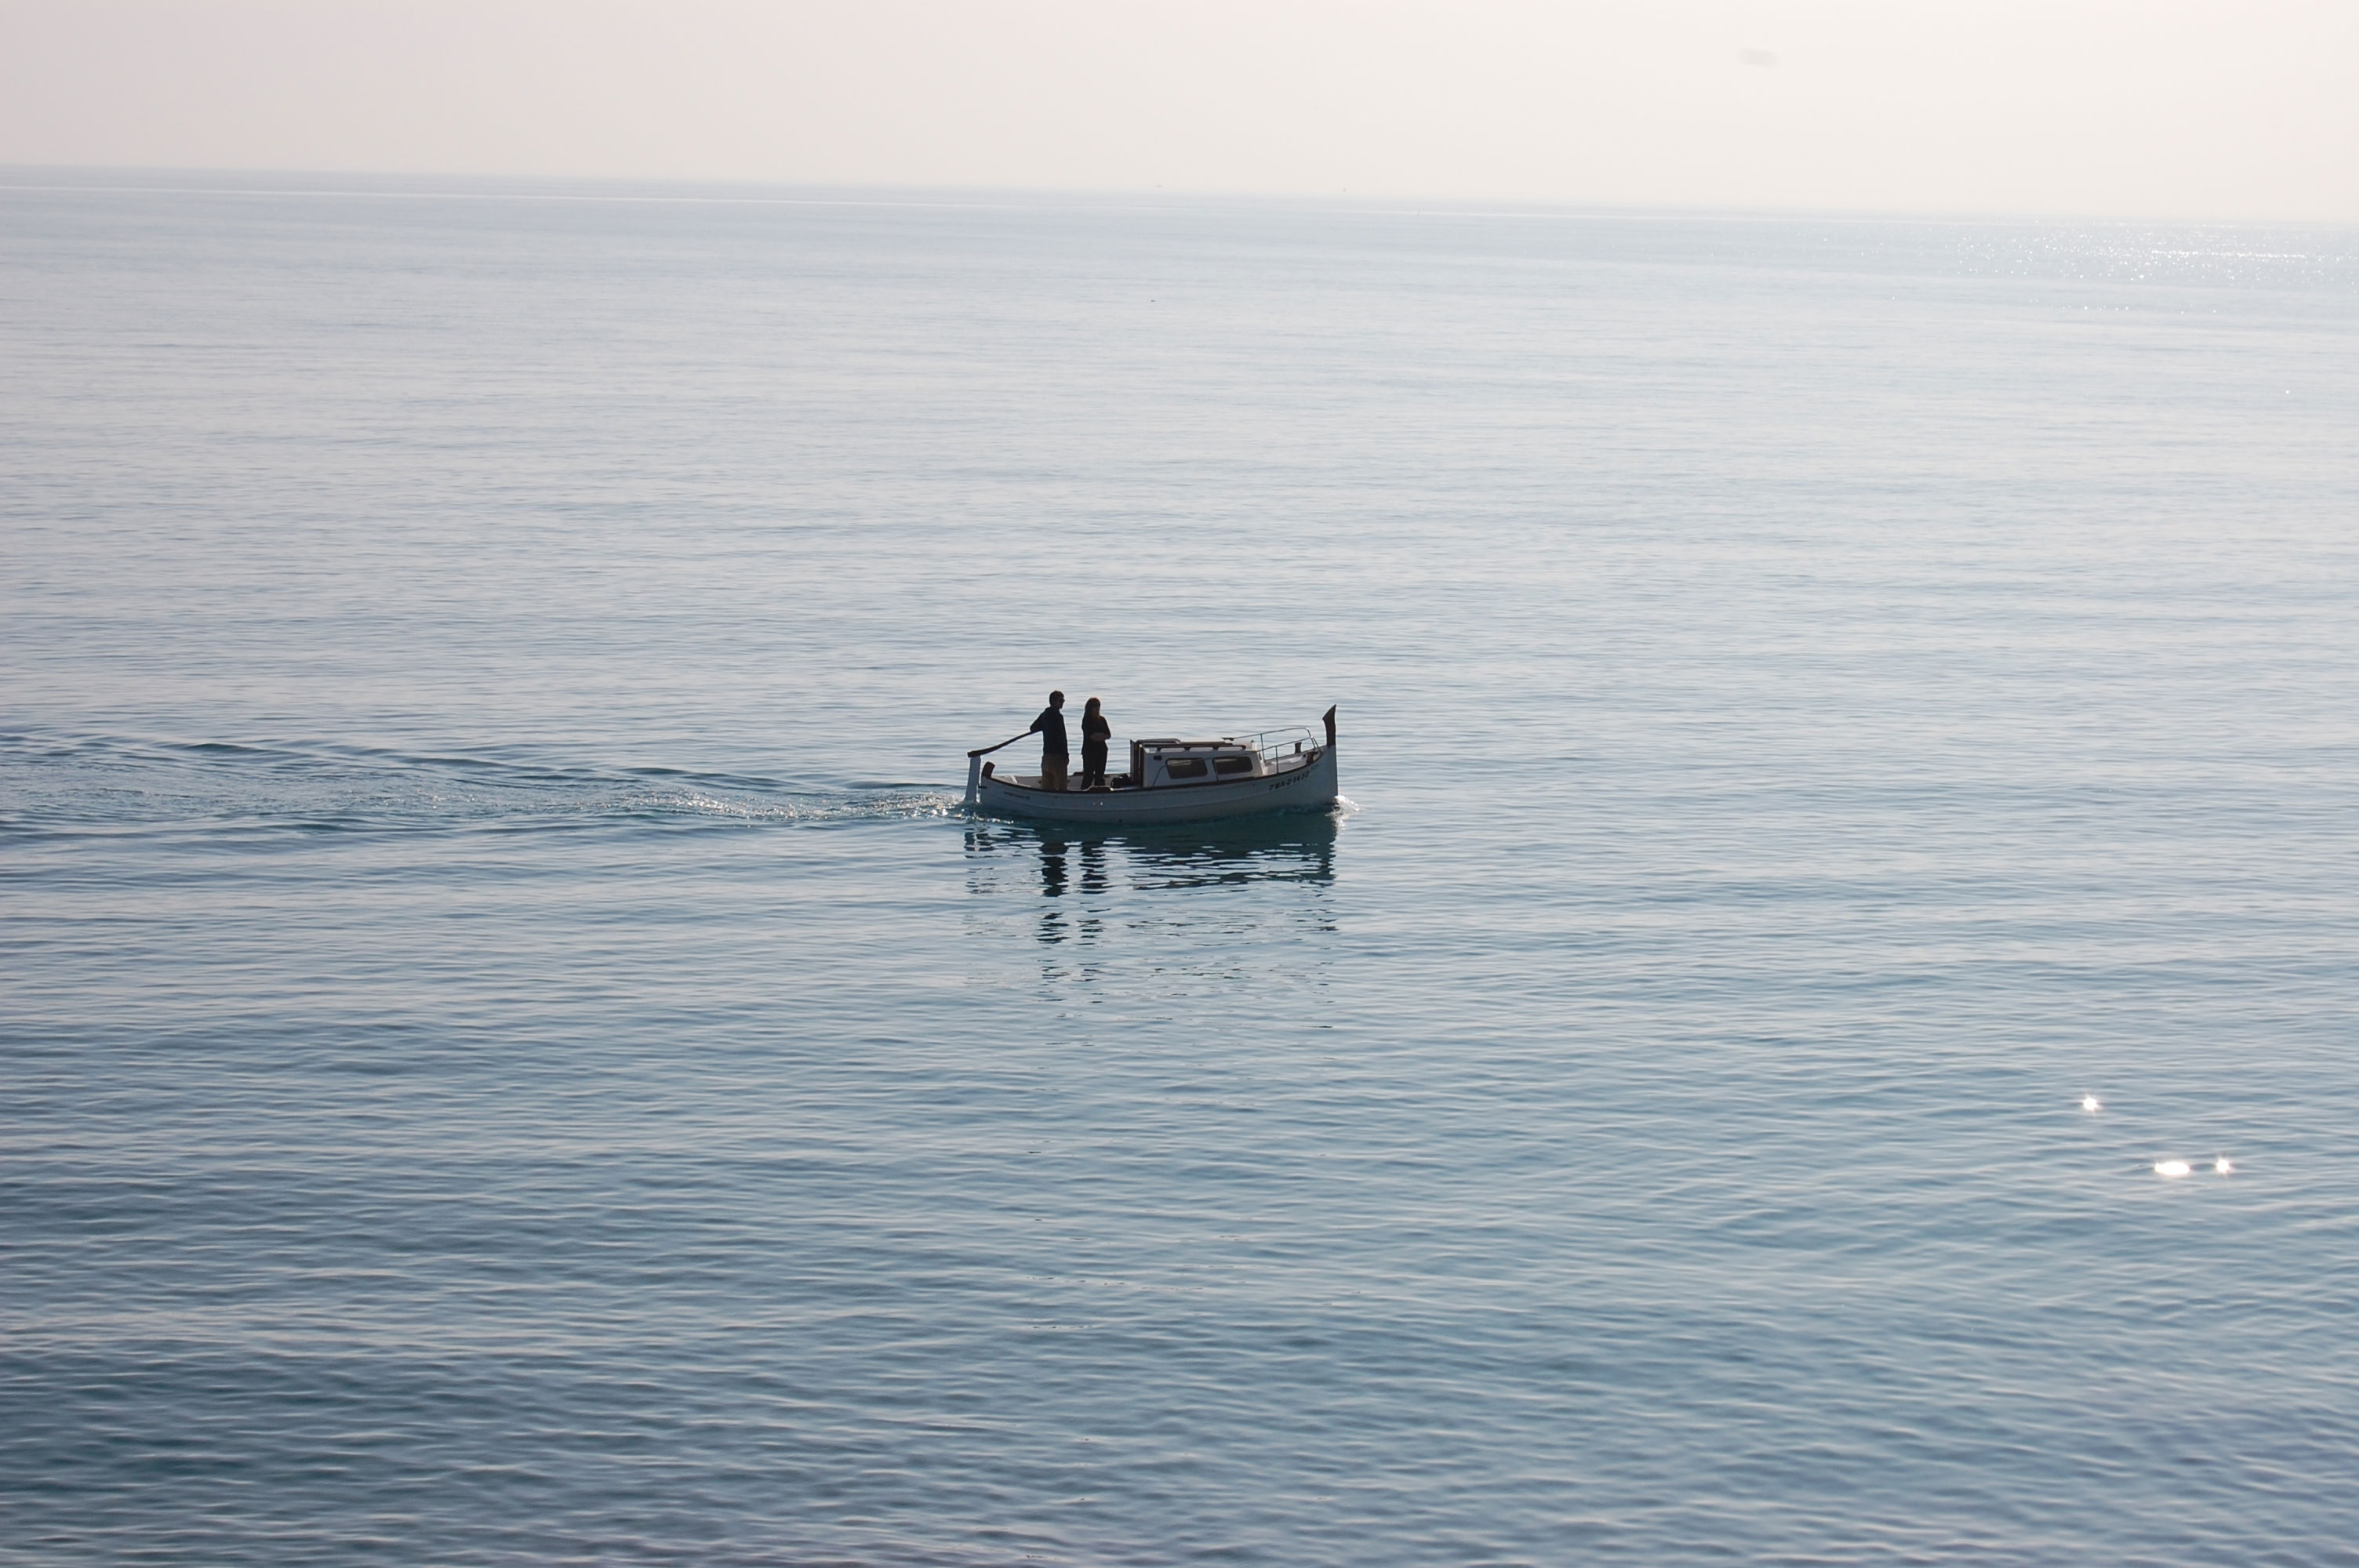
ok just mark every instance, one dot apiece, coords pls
pixel 1156 763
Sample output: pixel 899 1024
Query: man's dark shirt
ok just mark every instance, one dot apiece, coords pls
pixel 1052 724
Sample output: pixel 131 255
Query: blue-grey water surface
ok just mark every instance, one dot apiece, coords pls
pixel 512 1055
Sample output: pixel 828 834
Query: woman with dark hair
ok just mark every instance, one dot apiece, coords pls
pixel 1094 731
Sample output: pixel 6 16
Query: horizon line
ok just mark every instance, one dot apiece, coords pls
pixel 898 194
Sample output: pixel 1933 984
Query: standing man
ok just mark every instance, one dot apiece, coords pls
pixel 1053 753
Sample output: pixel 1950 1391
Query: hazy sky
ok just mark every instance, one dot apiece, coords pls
pixel 2206 108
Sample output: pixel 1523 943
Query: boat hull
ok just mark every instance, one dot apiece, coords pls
pixel 1311 787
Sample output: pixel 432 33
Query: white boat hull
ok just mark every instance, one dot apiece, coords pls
pixel 1310 787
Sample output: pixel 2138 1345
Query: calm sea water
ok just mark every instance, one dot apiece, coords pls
pixel 512 1056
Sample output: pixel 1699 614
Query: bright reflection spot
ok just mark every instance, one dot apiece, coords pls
pixel 2092 1103
pixel 2223 1166
pixel 2170 1167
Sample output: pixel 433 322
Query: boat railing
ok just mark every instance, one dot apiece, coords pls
pixel 1287 740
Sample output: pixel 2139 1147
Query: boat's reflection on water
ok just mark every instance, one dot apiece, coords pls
pixel 1076 864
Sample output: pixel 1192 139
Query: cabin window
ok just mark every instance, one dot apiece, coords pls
pixel 1233 764
pixel 1185 767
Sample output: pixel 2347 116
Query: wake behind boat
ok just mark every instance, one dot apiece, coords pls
pixel 1175 781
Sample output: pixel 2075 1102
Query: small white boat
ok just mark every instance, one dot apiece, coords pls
pixel 1175 781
